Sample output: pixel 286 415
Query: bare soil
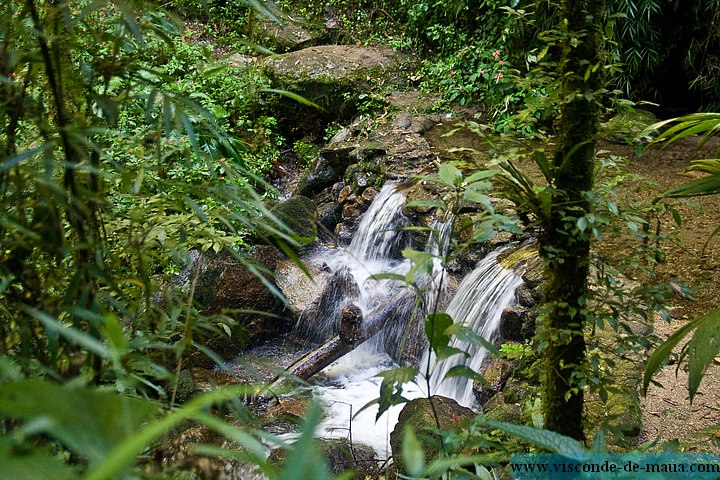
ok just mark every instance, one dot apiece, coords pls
pixel 667 411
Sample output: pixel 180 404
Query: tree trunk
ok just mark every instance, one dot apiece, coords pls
pixel 353 330
pixel 565 247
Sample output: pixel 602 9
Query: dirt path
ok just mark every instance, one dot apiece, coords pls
pixel 667 411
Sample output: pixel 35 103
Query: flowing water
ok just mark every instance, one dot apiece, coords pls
pixel 350 383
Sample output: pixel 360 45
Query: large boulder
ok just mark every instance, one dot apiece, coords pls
pixel 238 288
pixel 331 75
pixel 418 415
pixel 300 215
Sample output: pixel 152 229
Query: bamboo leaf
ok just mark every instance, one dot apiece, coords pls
pixel 294 96
pixel 661 354
pixel 702 349
pixel 701 186
pixel 546 439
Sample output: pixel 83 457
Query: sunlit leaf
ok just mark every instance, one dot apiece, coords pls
pixel 89 422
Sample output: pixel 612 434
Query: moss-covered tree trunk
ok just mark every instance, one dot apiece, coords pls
pixel 564 246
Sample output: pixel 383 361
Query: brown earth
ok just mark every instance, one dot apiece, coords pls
pixel 667 411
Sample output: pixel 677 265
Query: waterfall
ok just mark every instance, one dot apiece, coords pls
pixel 351 382
pixel 478 304
pixel 378 236
pixel 375 248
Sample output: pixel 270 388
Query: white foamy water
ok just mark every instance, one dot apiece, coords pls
pixel 350 383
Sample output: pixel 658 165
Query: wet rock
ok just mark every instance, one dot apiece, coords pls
pixel 300 214
pixel 340 288
pixel 224 284
pixel 299 289
pixel 526 296
pixel 517 323
pixel 285 415
pixel 319 176
pixel 496 371
pixel 418 415
pixel 344 232
pixel 330 75
pixel 329 214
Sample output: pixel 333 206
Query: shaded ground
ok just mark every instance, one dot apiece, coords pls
pixel 667 411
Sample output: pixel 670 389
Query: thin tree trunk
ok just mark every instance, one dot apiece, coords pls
pixel 564 247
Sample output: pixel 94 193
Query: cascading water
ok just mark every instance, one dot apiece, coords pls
pixel 478 304
pixel 350 383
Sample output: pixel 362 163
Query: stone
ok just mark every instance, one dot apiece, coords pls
pixel 329 214
pixel 628 127
pixel 369 194
pixel 332 75
pixel 225 285
pixel 513 323
pixel 496 371
pixel 418 415
pixel 300 215
pixel 319 176
pixel 299 289
pixel 527 297
pixel 339 288
pixel 344 194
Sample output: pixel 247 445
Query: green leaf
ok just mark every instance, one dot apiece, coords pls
pixel 293 96
pixel 35 466
pixel 391 387
pixel 72 334
pixel 708 165
pixel 436 325
pixel 660 355
pixel 466 372
pixel 306 461
pixel 546 439
pixel 412 452
pixel 442 465
pixel 468 335
pixel 89 422
pixel 702 186
pixel 481 175
pixel 702 349
pixel 427 203
pixel 450 175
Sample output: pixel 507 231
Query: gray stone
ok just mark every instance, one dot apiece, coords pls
pixel 418 415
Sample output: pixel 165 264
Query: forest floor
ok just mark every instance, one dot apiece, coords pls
pixel 667 411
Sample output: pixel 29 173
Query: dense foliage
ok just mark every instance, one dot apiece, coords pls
pixel 127 141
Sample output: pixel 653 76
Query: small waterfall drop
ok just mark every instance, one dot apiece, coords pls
pixel 478 303
pixel 351 382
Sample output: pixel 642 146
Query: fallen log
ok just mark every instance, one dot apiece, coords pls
pixel 353 330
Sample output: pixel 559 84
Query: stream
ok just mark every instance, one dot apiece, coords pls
pixel 347 385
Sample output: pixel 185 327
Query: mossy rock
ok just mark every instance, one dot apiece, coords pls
pixel 418 415
pixel 621 413
pixel 627 127
pixel 341 456
pixel 332 76
pixel 300 215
